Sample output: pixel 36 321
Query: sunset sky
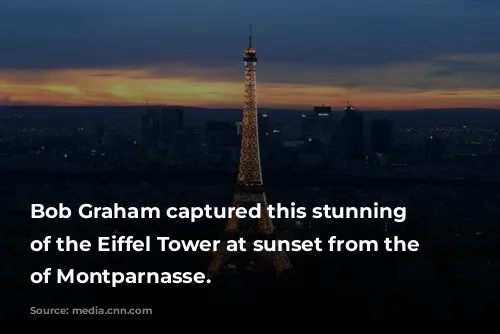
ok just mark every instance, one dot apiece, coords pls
pixel 384 54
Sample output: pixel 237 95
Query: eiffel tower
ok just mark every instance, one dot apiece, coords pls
pixel 249 187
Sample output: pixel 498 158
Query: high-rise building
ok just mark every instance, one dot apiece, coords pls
pixel 239 128
pixel 353 140
pixel 172 121
pixel 381 136
pixel 264 138
pixel 433 150
pixel 150 128
pixel 221 135
pixel 318 125
pixel 263 121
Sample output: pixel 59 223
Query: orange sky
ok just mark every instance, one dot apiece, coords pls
pixel 402 86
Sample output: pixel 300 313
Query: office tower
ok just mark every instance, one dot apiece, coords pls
pixel 172 121
pixel 221 135
pixel 353 134
pixel 318 125
pixel 239 129
pixel 433 150
pixel 263 121
pixel 381 136
pixel 150 128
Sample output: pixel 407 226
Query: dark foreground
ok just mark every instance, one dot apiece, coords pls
pixel 430 288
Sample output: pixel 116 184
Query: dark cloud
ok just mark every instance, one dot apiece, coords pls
pixel 5 99
pixel 491 66
pixel 105 75
pixel 442 73
pixel 472 71
pixel 129 33
pixel 353 84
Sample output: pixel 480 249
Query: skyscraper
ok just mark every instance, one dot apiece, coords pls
pixel 381 136
pixel 318 125
pixel 221 135
pixel 263 121
pixel 264 138
pixel 172 121
pixel 352 134
pixel 150 128
pixel 433 150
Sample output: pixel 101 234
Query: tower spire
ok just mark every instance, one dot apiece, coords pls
pixel 250 36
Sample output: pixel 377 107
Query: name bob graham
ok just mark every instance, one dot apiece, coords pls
pixel 87 211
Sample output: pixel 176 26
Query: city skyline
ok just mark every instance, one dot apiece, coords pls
pixel 392 56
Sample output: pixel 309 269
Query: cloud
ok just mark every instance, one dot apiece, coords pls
pixel 475 71
pixel 344 33
pixel 102 75
pixel 280 85
pixel 472 64
pixel 5 99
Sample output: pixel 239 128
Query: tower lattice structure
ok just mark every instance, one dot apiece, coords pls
pixel 249 188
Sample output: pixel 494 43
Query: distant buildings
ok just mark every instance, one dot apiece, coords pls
pixel 221 135
pixel 318 125
pixel 222 142
pixel 160 138
pixel 263 130
pixel 353 141
pixel 172 121
pixel 161 126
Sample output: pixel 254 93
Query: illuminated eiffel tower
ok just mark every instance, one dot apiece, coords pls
pixel 249 187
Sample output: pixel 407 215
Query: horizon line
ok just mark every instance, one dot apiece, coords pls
pixel 234 108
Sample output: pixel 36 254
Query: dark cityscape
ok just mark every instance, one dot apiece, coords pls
pixel 445 173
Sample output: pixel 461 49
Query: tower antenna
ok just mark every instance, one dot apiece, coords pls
pixel 250 36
